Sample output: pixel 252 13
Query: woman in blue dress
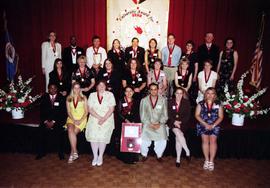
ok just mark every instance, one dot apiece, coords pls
pixel 209 114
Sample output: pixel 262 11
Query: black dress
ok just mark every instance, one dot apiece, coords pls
pixel 225 72
pixel 151 58
pixel 129 111
pixel 113 81
pixel 118 61
pixel 84 78
pixel 136 81
pixel 63 81
pixel 204 53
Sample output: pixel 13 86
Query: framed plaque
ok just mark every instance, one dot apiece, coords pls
pixel 131 137
pixel 97 58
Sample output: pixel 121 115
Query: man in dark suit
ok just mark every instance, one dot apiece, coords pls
pixel 208 50
pixel 53 117
pixel 135 51
pixel 71 54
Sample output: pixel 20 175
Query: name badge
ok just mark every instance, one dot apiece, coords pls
pixel 173 107
pixel 155 54
pixel 131 52
pixel 79 52
pixel 78 74
pixel 56 103
pixel 159 107
pixel 125 104
pixel 139 79
pixel 105 74
pixel 179 77
pixel 162 74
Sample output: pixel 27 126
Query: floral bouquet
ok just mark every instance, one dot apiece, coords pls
pixel 240 103
pixel 17 96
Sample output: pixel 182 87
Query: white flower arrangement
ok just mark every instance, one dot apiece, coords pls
pixel 17 95
pixel 240 103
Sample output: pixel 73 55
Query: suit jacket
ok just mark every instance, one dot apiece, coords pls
pixel 140 54
pixel 56 111
pixel 204 54
pixel 64 84
pixel 67 58
pixel 182 115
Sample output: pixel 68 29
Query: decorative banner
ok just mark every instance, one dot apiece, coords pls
pixel 144 19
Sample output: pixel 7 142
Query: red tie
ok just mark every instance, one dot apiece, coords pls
pixel 170 55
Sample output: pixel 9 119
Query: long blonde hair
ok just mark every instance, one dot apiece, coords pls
pixel 71 95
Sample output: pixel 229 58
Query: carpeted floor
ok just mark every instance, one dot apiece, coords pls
pixel 22 170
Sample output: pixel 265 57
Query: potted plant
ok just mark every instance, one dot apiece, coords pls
pixel 239 105
pixel 17 98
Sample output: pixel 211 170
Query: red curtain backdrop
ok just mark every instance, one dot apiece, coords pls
pixel 29 22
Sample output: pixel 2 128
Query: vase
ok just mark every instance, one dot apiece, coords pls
pixel 17 114
pixel 238 119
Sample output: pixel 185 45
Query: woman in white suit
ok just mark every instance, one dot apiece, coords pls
pixel 50 50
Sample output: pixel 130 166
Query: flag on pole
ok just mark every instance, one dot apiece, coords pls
pixel 10 53
pixel 256 63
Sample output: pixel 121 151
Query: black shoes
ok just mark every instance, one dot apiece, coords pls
pixel 188 158
pixel 143 159
pixel 160 160
pixel 177 165
pixel 61 156
pixel 40 156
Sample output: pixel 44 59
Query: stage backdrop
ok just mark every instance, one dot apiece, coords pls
pixel 134 18
pixel 30 20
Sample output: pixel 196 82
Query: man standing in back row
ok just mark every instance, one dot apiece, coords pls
pixel 171 55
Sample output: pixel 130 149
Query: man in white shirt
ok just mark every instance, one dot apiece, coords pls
pixel 95 54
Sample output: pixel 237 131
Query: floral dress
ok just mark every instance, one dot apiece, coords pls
pixel 209 116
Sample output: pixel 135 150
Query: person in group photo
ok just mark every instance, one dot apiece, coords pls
pixel 151 55
pixel 179 114
pixel 117 56
pixel 50 50
pixel 209 114
pixel 206 78
pixel 71 54
pixel 52 119
pixel 84 76
pixel 135 51
pixel 112 78
pixel 60 77
pixel 208 50
pixel 158 76
pixel 100 123
pixel 128 112
pixel 154 116
pixel 135 77
pixel 171 55
pixel 183 76
pixel 77 109
pixel 227 66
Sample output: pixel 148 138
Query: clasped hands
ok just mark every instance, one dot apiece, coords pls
pixel 155 126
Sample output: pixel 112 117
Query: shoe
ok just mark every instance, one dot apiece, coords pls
pixel 94 162
pixel 160 160
pixel 143 159
pixel 99 162
pixel 188 158
pixel 75 156
pixel 206 165
pixel 211 166
pixel 40 156
pixel 61 156
pixel 177 165
pixel 70 159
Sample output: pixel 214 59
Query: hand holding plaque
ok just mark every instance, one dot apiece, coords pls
pixel 97 58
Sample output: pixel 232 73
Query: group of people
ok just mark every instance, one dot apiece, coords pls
pixel 154 87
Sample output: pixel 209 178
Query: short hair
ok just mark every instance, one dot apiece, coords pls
pixel 82 57
pixel 128 86
pixel 95 37
pixel 191 42
pixel 208 61
pixel 52 84
pixel 153 84
pixel 209 33
pixel 102 81
pixel 160 61
pixel 134 38
pixel 210 89
pixel 171 34
pixel 229 38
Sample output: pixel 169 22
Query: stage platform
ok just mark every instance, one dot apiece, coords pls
pixel 251 141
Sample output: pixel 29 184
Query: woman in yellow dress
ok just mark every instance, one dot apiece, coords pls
pixel 77 118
